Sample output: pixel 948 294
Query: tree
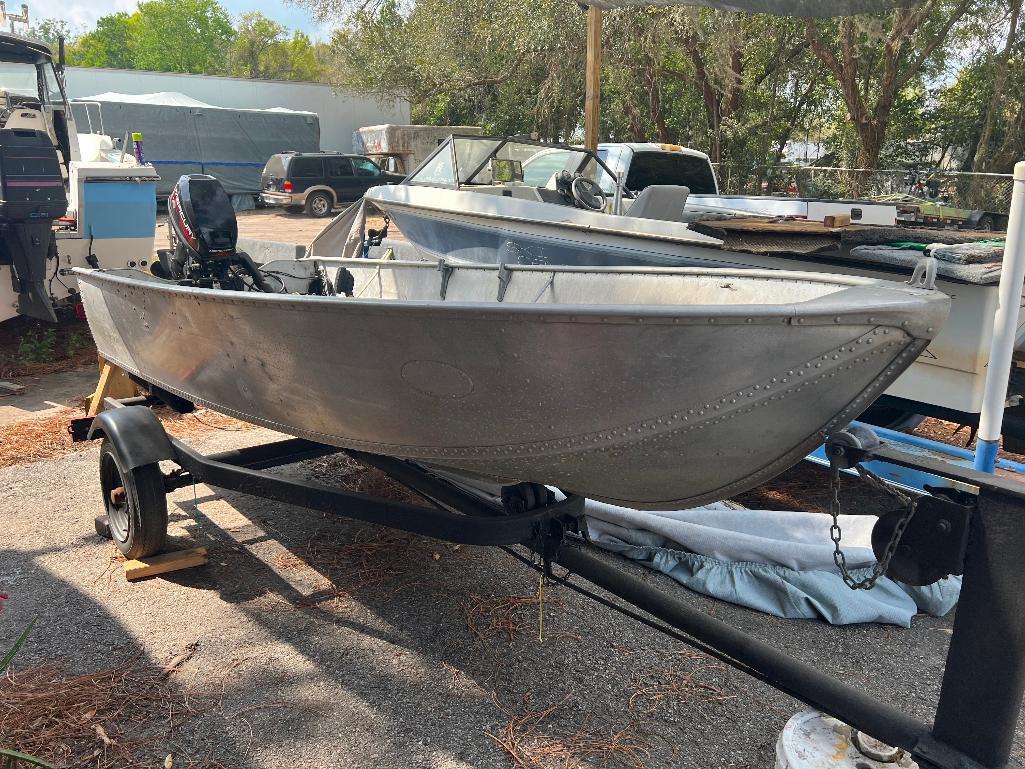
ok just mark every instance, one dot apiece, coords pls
pixel 980 162
pixel 181 36
pixel 262 49
pixel 874 60
pixel 111 44
pixel 511 67
pixel 51 30
pixel 250 54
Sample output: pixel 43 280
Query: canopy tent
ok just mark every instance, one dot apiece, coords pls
pixel 811 8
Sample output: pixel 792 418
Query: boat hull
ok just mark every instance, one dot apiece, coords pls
pixel 647 406
pixel 951 375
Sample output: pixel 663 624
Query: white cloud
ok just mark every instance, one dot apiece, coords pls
pixel 78 13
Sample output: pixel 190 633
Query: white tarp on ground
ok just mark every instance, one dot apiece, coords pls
pixel 778 562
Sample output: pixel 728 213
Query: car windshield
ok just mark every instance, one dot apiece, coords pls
pixel 471 161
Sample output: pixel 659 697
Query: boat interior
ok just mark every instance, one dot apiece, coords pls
pixel 560 175
pixel 419 281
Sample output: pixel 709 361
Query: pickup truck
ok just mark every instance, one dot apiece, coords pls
pixel 646 163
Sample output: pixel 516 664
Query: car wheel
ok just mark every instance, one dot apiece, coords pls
pixel 319 204
pixel 987 222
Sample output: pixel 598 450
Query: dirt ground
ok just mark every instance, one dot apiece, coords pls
pixel 309 640
pixel 273 224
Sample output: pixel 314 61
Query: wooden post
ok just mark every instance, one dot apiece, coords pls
pixel 113 383
pixel 592 87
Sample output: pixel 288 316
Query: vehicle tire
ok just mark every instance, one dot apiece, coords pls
pixel 987 222
pixel 136 504
pixel 319 205
pixel 293 209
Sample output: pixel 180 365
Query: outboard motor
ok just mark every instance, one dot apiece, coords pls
pixel 32 196
pixel 204 238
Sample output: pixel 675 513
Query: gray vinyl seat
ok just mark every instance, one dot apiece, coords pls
pixel 660 201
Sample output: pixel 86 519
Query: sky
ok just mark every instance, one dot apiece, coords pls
pixel 85 12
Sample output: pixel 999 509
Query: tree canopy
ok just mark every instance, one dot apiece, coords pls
pixel 933 81
pixel 197 36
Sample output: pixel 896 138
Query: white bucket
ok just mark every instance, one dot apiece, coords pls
pixel 813 740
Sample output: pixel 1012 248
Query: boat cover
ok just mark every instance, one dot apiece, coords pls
pixel 951 263
pixel 778 562
pixel 184 136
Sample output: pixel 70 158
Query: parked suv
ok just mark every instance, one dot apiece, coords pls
pixel 318 181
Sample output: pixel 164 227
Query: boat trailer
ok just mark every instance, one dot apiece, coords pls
pixel 979 533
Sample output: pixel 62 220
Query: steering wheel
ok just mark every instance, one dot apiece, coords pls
pixel 587 194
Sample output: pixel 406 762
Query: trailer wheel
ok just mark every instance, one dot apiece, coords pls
pixel 136 504
pixel 319 204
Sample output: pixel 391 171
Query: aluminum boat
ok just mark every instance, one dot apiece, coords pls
pixel 648 387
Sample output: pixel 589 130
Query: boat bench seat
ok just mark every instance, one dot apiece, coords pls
pixel 660 201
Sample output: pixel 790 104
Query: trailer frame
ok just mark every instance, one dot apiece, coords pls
pixel 984 680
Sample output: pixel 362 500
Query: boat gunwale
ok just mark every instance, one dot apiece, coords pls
pixel 808 312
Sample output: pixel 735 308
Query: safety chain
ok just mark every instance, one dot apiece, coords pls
pixel 836 534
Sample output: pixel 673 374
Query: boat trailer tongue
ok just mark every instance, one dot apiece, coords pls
pixel 979 535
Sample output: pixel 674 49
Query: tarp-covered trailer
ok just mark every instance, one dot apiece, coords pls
pixel 182 135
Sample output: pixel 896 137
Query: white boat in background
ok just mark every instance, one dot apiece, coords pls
pixel 111 213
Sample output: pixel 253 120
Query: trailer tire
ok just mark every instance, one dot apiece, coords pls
pixel 987 222
pixel 319 205
pixel 136 504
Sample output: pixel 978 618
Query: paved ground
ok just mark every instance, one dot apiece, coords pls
pixel 265 224
pixel 46 395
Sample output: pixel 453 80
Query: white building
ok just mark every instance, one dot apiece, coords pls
pixel 340 113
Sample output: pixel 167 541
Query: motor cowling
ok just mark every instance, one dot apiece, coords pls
pixel 205 238
pixel 202 218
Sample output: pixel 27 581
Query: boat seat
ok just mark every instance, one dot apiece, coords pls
pixel 660 201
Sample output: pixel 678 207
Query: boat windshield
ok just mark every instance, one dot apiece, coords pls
pixel 476 161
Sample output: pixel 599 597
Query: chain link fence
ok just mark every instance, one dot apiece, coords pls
pixel 989 192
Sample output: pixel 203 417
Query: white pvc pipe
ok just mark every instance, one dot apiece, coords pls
pixel 1005 327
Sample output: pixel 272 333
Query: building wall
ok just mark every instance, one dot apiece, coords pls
pixel 340 113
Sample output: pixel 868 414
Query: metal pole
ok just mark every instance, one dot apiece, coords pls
pixel 592 81
pixel 1005 326
pixel 984 678
pixel 800 680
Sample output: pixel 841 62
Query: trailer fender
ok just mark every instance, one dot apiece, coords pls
pixel 136 433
